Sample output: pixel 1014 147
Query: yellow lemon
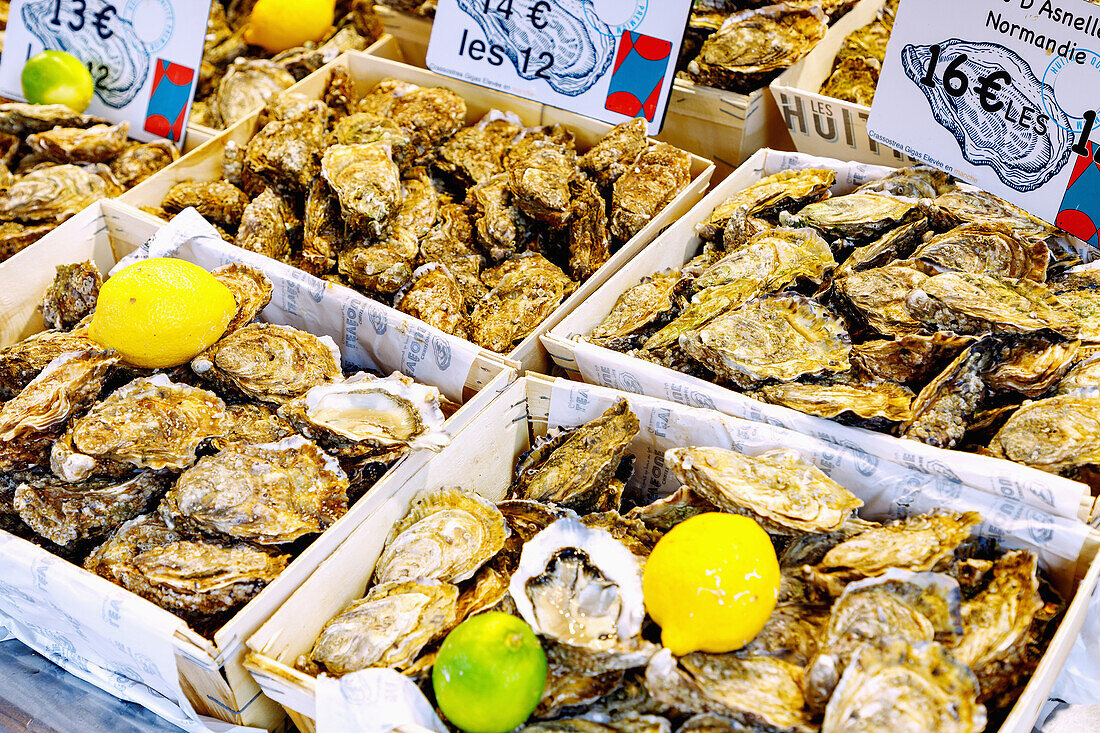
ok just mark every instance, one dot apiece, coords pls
pixel 161 312
pixel 281 24
pixel 711 583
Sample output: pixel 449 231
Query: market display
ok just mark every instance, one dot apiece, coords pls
pixel 238 76
pixel 192 486
pixel 859 61
pixel 910 306
pixel 912 624
pixel 481 230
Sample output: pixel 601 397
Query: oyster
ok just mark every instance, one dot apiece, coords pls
pixel 429 114
pixel 787 190
pixel 911 359
pixel 857 216
pixel 195 578
pixel 72 295
pixel 435 297
pixel 577 467
pixel 23 361
pixel 251 423
pixel 96 144
pixel 415 216
pixel 22 119
pixel 379 270
pixel 64 513
pixel 952 208
pixel 1084 372
pixel 770 261
pixel 1085 304
pixel 246 87
pixel 286 152
pixel 365 128
pixel 567 688
pixel 447 535
pixel 268 226
pixel 895 244
pixel 32 420
pixel 15 237
pixel 988 248
pixel 942 409
pixel 366 181
pixel 137 162
pixel 476 154
pixel 386 628
pixel 771 338
pixel 148 423
pixel 269 494
pixel 973 303
pixel 640 308
pixel 251 290
pixel 218 201
pixel 524 297
pixel 589 242
pixel 629 723
pixel 364 415
pixel 780 489
pixel 657 177
pixel 323 235
pixel 853 80
pixel 760 692
pixel 753 46
pixel 269 362
pixel 1032 365
pixel 664 514
pixel 887 400
pixel 914 182
pixel 449 241
pixel 1056 434
pixel 539 173
pixel 615 152
pixel 926 687
pixel 502 229
pixel 54 194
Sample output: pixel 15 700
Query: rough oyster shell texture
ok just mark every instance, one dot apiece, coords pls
pixel 72 295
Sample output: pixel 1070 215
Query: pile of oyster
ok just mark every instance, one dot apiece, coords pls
pixel 54 162
pixel 739 46
pixel 911 625
pixel 859 61
pixel 480 231
pixel 419 7
pixel 192 487
pixel 911 306
pixel 236 78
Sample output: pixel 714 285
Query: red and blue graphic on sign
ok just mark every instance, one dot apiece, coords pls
pixel 639 73
pixel 167 108
pixel 1079 214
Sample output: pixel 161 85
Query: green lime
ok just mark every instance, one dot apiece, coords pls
pixel 55 77
pixel 489 674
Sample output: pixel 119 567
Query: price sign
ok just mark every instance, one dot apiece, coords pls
pixel 609 59
pixel 1002 94
pixel 144 55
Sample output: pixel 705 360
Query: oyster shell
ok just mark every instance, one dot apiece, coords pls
pixel 771 338
pixel 589 242
pixel 988 248
pixel 323 235
pixel 926 687
pixel 96 144
pixel 366 181
pixel 952 208
pixel 137 162
pixel 525 296
pixel 447 535
pixel 974 303
pixel 386 628
pixel 72 295
pixel 435 297
pixel 269 362
pixel 286 152
pixel 615 152
pixel 378 270
pixel 1084 372
pixel 364 128
pixel 64 513
pixel 787 190
pixel 218 201
pixel 449 242
pixel 246 87
pixel 251 290
pixel 268 226
pixel 23 361
pixel 911 359
pixel 195 578
pixel 476 154
pixel 664 514
pixel 15 237
pixel 753 46
pixel 761 693
pixel 629 723
pixel 857 216
pixel 647 187
pixel 364 415
pixel 914 182
pixel 539 173
pixel 32 420
pixel 577 467
pixel 770 261
pixel 429 114
pixel 780 489
pixel 638 309
pixel 502 229
pixel 54 194
pixel 21 119
pixel 1055 435
pixel 415 216
pixel 567 688
pixel 887 400
pixel 269 494
pixel 853 80
pixel 1032 365
pixel 251 423
pixel 942 409
pixel 896 244
pixel 1085 304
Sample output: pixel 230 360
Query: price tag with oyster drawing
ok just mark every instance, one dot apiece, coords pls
pixel 144 55
pixel 609 59
pixel 1002 94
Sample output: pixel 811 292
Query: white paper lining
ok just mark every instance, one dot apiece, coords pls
pixel 370 335
pixel 373 701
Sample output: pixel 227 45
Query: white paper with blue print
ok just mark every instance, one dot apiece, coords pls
pixel 124 647
pixel 370 335
pixel 374 701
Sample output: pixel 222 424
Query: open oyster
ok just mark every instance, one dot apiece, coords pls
pixel 787 190
pixel 32 420
pixel 647 187
pixel 54 194
pixel 96 144
pixel 270 362
pixel 71 296
pixel 148 423
pixel 386 628
pixel 251 290
pixel 780 489
pixel 989 248
pixel 23 361
pixel 366 181
pixel 966 302
pixel 64 513
pixel 771 338
pixel 1056 434
pixel 367 416
pixel 447 535
pixel 195 578
pixel 927 689
pixel 270 494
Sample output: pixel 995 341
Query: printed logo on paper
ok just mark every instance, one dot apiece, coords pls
pixel 641 64
pixel 167 111
pixel 441 350
pixel 1079 213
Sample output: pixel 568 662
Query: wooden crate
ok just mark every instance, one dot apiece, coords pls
pixel 482 457
pixel 586 362
pixel 209 671
pixel 206 161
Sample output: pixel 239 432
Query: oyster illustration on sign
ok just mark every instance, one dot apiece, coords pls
pixel 1023 157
